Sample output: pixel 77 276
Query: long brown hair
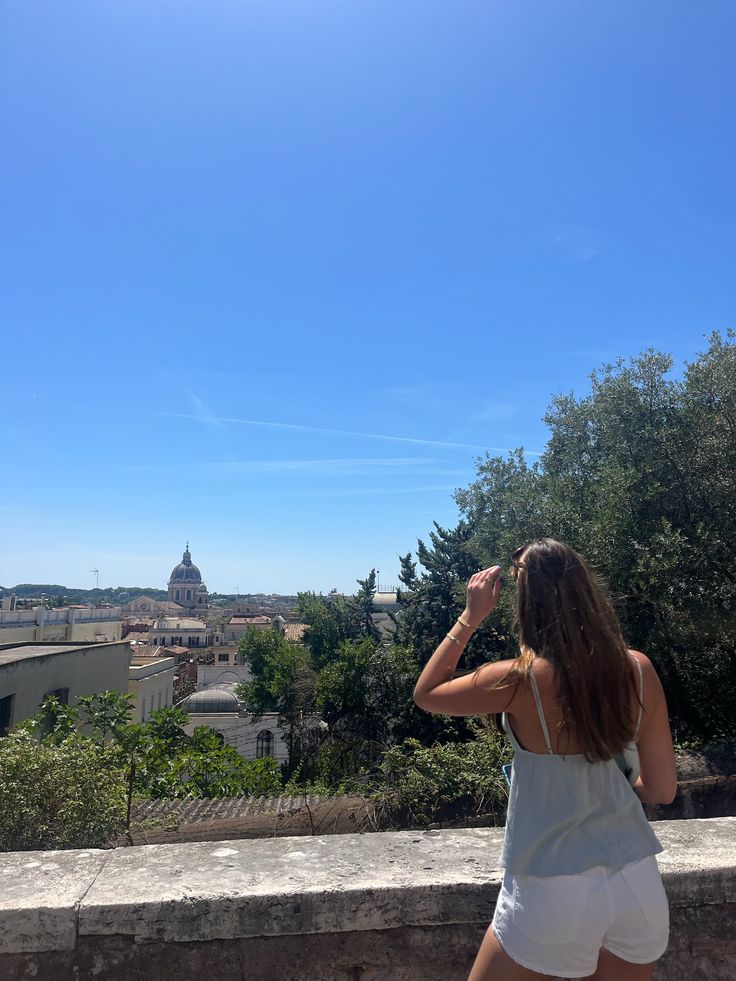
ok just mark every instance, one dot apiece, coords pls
pixel 564 614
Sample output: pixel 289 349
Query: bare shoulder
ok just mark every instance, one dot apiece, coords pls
pixel 493 673
pixel 652 684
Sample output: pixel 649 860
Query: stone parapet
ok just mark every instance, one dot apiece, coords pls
pixel 390 905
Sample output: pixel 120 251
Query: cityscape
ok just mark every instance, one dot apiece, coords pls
pixel 182 650
pixel 368 490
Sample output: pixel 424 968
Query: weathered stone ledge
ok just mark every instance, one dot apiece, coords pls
pixel 373 905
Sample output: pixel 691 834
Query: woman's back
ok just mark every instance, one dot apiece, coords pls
pixel 566 814
pixel 658 780
pixel 525 717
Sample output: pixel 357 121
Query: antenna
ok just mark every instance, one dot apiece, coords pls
pixel 96 572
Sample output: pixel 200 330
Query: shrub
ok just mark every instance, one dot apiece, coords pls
pixel 65 795
pixel 447 779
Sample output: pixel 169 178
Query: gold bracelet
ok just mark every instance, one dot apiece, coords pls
pixel 464 623
pixel 455 640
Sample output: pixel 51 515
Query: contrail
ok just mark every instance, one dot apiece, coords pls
pixel 343 432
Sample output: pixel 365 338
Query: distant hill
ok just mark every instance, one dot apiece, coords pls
pixel 118 595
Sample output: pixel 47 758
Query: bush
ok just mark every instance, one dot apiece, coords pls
pixel 170 763
pixel 65 795
pixel 448 779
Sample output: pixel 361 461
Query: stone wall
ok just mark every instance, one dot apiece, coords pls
pixel 389 905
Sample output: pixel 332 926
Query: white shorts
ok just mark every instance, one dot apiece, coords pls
pixel 557 925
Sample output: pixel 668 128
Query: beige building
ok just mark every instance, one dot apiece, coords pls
pixel 181 632
pixel 146 606
pixel 30 672
pixel 151 683
pixel 237 626
pixel 72 624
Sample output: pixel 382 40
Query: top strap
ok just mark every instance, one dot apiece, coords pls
pixel 641 697
pixel 540 711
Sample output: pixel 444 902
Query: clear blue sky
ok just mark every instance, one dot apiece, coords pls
pixel 273 274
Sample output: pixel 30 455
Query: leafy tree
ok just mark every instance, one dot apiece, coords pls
pixel 55 720
pixel 107 712
pixel 330 621
pixel 279 668
pixel 431 602
pixel 429 606
pixel 640 476
pixel 364 696
pixel 170 763
pixel 283 681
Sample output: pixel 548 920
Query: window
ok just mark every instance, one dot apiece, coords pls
pixel 189 594
pixel 61 694
pixel 264 743
pixel 6 714
pixel 143 710
pixel 223 657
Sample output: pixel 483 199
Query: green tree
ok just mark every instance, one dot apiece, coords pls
pixel 107 713
pixel 365 607
pixel 330 621
pixel 365 697
pixel 171 763
pixel 277 666
pixel 283 681
pixel 640 476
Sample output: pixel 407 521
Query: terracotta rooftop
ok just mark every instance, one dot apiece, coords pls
pixel 294 631
pixel 145 650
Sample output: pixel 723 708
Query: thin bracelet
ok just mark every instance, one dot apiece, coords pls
pixel 455 640
pixel 464 623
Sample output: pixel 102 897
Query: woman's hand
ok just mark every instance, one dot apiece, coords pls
pixel 484 589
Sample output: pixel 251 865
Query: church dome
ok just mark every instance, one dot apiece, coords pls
pixel 186 571
pixel 210 701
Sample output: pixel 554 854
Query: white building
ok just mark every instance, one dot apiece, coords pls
pixel 151 683
pixel 145 606
pixel 71 624
pixel 222 673
pixel 219 708
pixel 236 626
pixel 181 632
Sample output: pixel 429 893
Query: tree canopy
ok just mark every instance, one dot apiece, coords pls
pixel 640 477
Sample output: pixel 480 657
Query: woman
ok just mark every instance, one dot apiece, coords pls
pixel 581 895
